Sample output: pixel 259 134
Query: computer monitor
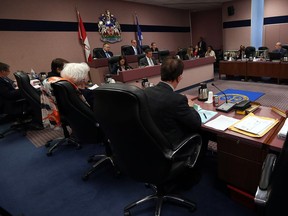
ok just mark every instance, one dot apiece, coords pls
pixel 274 56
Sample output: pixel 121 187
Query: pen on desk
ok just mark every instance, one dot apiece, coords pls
pixel 205 115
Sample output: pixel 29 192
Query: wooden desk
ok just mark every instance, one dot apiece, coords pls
pixel 240 157
pixel 278 70
pixel 263 69
pixel 232 68
pixel 195 71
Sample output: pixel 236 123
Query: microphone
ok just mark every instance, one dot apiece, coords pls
pixel 227 106
pixel 221 92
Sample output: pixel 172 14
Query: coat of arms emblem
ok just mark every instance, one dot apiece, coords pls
pixel 109 28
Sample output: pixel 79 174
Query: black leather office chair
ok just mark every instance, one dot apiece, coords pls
pixel 139 148
pixel 263 48
pixel 140 57
pixel 181 53
pixel 111 63
pixel 144 47
pixel 273 188
pixel 162 54
pixel 16 111
pixel 285 46
pixel 124 49
pixel 32 97
pixel 80 118
pixel 250 51
pixel 95 51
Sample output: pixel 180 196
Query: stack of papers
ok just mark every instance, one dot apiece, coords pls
pixel 283 132
pixel 254 126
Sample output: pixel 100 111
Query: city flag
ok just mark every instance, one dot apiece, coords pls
pixel 84 39
pixel 139 33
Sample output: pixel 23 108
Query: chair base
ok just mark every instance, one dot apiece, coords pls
pixel 61 141
pixel 100 159
pixel 160 196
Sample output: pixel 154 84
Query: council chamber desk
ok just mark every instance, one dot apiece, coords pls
pixel 240 157
pixel 247 69
pixel 195 72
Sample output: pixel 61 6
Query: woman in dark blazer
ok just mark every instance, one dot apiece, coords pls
pixel 122 65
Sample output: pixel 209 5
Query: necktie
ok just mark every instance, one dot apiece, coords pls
pixel 151 62
pixel 107 55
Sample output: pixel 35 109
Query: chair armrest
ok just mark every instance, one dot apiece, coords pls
pixel 267 170
pixel 263 190
pixel 188 150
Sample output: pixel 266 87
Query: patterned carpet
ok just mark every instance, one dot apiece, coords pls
pixel 41 137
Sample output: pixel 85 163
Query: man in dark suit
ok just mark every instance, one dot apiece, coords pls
pixel 133 49
pixel 202 47
pixel 280 49
pixel 105 52
pixel 148 60
pixel 8 94
pixel 170 110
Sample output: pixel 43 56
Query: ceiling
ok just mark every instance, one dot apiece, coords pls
pixel 193 5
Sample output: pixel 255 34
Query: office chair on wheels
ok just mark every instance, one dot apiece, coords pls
pixel 139 148
pixel 18 111
pixel 273 189
pixel 80 118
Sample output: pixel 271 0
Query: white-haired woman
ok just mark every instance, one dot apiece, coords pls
pixel 77 73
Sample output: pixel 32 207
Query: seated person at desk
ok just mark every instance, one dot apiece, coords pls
pixel 77 74
pixel 148 60
pixel 170 110
pixel 154 47
pixel 105 52
pixel 210 52
pixel 189 55
pixel 122 65
pixel 8 92
pixel 241 52
pixel 279 49
pixel 133 49
pixel 57 65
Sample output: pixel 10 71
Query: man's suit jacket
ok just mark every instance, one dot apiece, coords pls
pixel 171 112
pixel 144 62
pixel 101 54
pixel 130 51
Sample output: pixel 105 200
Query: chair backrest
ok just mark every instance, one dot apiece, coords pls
pixel 124 49
pixel 285 46
pixel 162 54
pixel 263 48
pixel 139 148
pixel 111 62
pixel 96 50
pixel 250 51
pixel 140 57
pixel 144 47
pixel 181 53
pixel 31 95
pixel 76 112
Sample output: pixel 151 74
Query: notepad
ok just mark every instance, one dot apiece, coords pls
pixel 221 122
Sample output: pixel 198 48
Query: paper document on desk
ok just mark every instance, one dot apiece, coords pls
pixel 255 124
pixel 221 122
pixel 206 115
pixel 283 132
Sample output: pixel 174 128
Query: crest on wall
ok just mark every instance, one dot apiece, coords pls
pixel 109 28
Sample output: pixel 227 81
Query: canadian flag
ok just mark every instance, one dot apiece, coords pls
pixel 84 39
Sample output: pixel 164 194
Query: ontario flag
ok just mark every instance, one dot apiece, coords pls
pixel 84 39
pixel 139 33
